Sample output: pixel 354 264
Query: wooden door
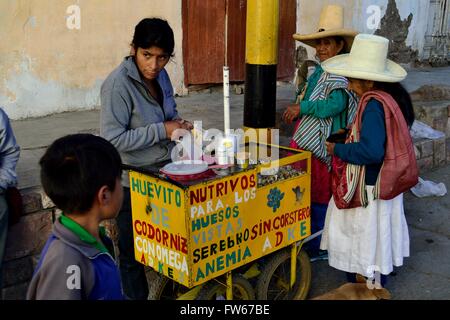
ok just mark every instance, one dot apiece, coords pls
pixel 237 21
pixel 204 40
pixel 286 50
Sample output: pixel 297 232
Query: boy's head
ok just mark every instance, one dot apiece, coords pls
pixel 80 170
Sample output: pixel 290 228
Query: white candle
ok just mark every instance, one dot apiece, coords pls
pixel 226 99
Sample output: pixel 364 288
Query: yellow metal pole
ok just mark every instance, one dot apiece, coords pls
pixel 261 64
pixel 293 265
pixel 262 32
pixel 229 286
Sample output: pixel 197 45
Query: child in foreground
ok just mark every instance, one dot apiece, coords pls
pixel 81 175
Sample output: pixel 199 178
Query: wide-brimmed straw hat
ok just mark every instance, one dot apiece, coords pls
pixel 331 24
pixel 367 60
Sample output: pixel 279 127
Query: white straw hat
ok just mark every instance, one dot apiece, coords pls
pixel 331 24
pixel 367 60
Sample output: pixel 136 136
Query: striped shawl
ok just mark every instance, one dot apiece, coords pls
pixel 312 132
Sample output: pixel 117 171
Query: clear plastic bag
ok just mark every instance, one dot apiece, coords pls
pixel 429 189
pixel 421 130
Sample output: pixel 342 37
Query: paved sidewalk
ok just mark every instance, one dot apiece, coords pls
pixel 427 76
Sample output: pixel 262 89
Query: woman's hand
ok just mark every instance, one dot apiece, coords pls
pixel 291 113
pixel 185 124
pixel 330 147
pixel 171 126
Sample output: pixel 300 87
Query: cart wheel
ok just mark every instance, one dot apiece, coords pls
pixel 163 288
pixel 273 282
pixel 214 290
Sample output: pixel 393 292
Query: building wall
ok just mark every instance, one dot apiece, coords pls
pixel 356 17
pixel 45 67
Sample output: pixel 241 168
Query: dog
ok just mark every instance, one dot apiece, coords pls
pixel 355 291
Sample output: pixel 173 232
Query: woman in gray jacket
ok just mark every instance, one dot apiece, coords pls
pixel 138 116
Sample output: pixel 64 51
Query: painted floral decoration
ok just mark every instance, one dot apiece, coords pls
pixel 274 199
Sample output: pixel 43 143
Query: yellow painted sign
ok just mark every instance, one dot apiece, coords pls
pixel 200 232
pixel 159 228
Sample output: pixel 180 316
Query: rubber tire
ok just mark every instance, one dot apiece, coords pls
pixel 212 287
pixel 159 285
pixel 303 279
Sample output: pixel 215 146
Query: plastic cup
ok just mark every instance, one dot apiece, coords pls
pixel 242 159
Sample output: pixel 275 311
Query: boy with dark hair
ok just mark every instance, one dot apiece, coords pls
pixel 81 174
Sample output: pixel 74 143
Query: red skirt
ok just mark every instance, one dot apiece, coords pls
pixel 320 178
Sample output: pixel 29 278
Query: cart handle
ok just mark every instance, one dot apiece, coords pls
pixel 315 235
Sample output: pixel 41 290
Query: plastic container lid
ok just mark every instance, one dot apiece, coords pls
pixel 185 167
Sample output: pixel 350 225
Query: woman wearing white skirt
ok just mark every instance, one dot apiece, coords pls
pixel 365 227
pixel 364 240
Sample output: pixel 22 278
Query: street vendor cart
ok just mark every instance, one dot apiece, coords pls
pixel 227 232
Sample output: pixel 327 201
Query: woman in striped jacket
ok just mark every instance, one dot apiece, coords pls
pixel 323 106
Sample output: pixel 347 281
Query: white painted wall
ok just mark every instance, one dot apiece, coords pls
pixel 46 68
pixel 356 16
pixel 419 23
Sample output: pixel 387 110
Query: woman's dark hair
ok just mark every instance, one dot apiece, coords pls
pixel 75 167
pixel 338 40
pixel 402 97
pixel 154 32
